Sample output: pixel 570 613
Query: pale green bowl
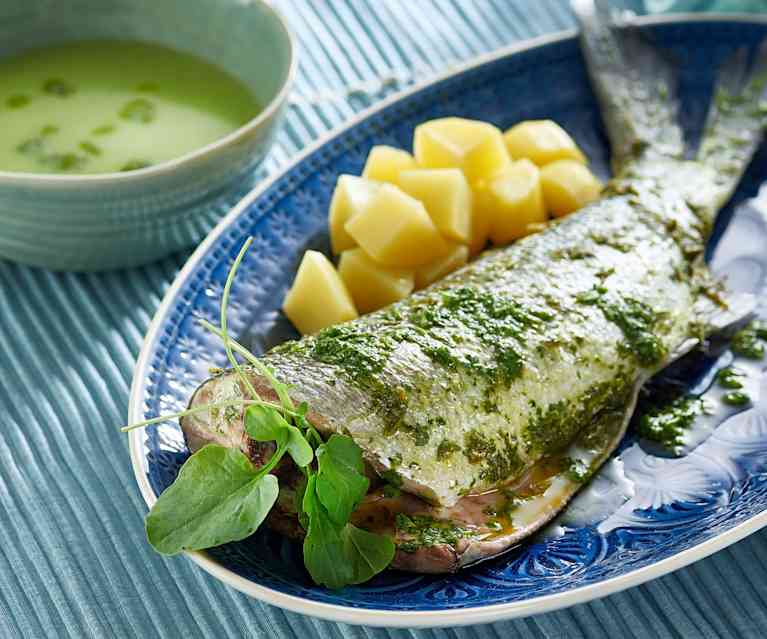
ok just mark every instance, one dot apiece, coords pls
pixel 109 220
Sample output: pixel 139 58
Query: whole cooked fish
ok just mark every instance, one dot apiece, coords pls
pixel 485 401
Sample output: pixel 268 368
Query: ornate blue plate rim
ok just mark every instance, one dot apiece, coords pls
pixel 412 618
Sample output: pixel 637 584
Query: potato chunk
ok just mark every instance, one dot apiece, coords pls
pixel 350 196
pixel 541 141
pixel 318 297
pixel 371 285
pixel 487 158
pixel 436 270
pixel 568 186
pixel 451 142
pixel 446 195
pixel 385 163
pixel 481 217
pixel 517 201
pixel 395 230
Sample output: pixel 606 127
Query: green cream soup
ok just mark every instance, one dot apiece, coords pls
pixel 103 106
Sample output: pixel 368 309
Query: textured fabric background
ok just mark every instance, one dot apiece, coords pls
pixel 73 559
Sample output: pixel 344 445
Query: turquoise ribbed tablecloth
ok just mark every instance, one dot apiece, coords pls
pixel 73 559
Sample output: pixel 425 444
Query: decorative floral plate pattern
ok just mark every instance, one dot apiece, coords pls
pixel 677 510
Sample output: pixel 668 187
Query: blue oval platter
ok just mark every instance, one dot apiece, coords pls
pixel 642 516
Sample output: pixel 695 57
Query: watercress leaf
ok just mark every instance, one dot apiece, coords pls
pixel 266 424
pixel 341 483
pixel 302 409
pixel 217 497
pixel 300 422
pixel 298 448
pixel 263 424
pixel 340 555
pixel 298 501
pixel 367 553
pixel 323 545
pixel 309 501
pixel 311 435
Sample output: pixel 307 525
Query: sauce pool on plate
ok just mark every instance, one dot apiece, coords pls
pixel 107 106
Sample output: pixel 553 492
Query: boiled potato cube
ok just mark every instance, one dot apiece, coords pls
pixel 436 270
pixel 350 196
pixel 449 142
pixel 517 201
pixel 541 141
pixel 568 186
pixel 395 230
pixel 481 217
pixel 371 285
pixel 487 158
pixel 318 297
pixel 385 163
pixel 478 149
pixel 446 196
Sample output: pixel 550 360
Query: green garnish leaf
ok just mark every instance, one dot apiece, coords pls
pixel 17 101
pixel 104 129
pixel 139 110
pixel 90 148
pixel 64 161
pixel 323 546
pixel 369 553
pixel 341 482
pixel 298 448
pixel 135 165
pixel 266 424
pixel 217 497
pixel 32 146
pixel 298 501
pixel 58 87
pixel 339 555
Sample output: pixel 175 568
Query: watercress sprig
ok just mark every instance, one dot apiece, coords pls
pixel 220 496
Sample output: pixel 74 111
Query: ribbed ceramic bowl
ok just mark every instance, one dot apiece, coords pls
pixel 109 220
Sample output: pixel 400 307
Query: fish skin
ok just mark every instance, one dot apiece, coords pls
pixel 642 241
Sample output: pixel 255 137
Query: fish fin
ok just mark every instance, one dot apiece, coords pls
pixel 739 310
pixel 719 322
pixel 736 119
pixel 634 83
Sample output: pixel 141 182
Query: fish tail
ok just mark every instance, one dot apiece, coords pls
pixel 634 83
pixel 736 118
